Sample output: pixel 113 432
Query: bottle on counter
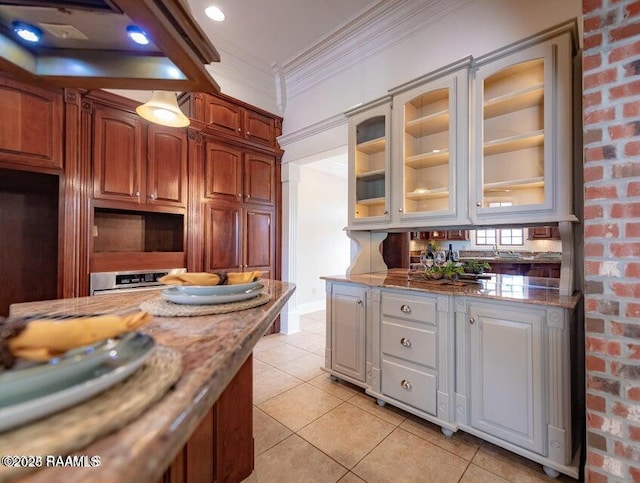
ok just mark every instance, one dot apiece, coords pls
pixel 430 254
pixel 450 257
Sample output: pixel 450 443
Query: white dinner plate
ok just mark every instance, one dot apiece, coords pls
pixel 179 297
pixel 216 289
pixel 36 391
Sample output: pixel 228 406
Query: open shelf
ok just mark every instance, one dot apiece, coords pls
pixel 514 101
pixel 515 184
pixel 374 175
pixel 427 160
pixel 427 194
pixel 371 201
pixel 514 143
pixel 373 146
pixel 431 124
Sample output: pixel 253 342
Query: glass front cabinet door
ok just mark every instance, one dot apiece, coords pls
pixel 522 157
pixel 369 163
pixel 430 120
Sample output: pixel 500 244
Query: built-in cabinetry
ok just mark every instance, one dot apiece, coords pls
pixel 543 233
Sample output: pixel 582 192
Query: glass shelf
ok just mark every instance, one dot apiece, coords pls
pixel 426 160
pixel 514 101
pixel 514 143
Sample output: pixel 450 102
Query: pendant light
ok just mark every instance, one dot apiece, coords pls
pixel 163 109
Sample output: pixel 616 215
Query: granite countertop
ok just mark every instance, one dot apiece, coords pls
pixel 539 291
pixel 213 349
pixel 514 259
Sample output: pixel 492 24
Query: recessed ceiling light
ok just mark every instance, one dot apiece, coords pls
pixel 214 13
pixel 27 32
pixel 136 34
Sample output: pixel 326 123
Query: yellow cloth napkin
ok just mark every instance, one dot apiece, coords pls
pixel 204 278
pixel 44 339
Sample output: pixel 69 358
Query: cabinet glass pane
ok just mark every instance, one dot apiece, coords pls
pixel 370 167
pixel 513 135
pixel 426 152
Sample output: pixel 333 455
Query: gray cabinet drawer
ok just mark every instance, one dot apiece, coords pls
pixel 413 344
pixel 415 388
pixel 419 308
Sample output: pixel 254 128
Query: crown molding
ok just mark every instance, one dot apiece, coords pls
pixel 312 129
pixel 365 35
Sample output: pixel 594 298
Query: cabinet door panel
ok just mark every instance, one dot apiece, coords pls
pixel 260 128
pixel 506 374
pixel 167 166
pixel 224 115
pixel 222 237
pixel 259 246
pixel 416 388
pixel 348 331
pixel 30 125
pixel 259 178
pixel 223 172
pixel 117 155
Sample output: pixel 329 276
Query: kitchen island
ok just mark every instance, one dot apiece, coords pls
pixel 216 357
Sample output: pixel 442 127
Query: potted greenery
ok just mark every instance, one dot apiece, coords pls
pixel 450 270
pixel 476 266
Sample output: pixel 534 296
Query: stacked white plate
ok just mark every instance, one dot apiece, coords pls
pixel 211 294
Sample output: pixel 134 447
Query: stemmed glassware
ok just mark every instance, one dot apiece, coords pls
pixel 440 257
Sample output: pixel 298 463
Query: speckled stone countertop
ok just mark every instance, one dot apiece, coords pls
pixel 213 349
pixel 540 291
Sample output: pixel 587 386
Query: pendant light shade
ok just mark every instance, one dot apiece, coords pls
pixel 163 109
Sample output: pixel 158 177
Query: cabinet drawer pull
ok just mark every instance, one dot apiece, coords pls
pixel 478 203
pixel 405 385
pixel 472 320
pixel 359 302
pixel 405 308
pixel 405 342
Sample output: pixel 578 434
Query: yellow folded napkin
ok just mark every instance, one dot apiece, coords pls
pixel 204 278
pixel 44 339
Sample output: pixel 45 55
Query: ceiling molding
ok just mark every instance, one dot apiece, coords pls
pixel 312 129
pixel 375 29
pixel 237 70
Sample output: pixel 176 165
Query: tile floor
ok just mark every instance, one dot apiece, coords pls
pixel 308 428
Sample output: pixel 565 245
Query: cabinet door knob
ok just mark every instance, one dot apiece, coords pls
pixel 248 133
pixel 138 194
pixel 359 302
pixel 478 203
pixel 386 212
pixel 405 308
pixel 472 320
pixel 405 342
pixel 152 196
pixel 405 385
pixel 239 129
pixel 399 210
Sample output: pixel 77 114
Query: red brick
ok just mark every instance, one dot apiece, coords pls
pixel 593 249
pixel 633 189
pixel 591 62
pixel 592 41
pixel 633 393
pixel 594 363
pixel 604 230
pixel 624 130
pixel 603 346
pixel 596 403
pixel 633 310
pixel 593 212
pixel 634 433
pixel 590 5
pixel 601 192
pixel 592 99
pixel 632 148
pixel 594 421
pixel 590 305
pixel 591 23
pixel 594 476
pixel 631 109
pixel 624 32
pixel 599 115
pixel 632 9
pixel 592 136
pixel 625 170
pixel 593 173
pixel 627 451
pixel 625 90
pixel 592 268
pixel 600 78
pixel 632 270
pixel 621 250
pixel 634 351
pixel 626 289
pixel 625 210
pixel 634 473
pixel 624 52
pixel 620 410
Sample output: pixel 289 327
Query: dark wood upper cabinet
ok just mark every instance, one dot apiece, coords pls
pixel 259 178
pixel 31 121
pixel 223 171
pixel 223 115
pixel 259 241
pixel 166 166
pixel 544 233
pixel 259 128
pixel 223 236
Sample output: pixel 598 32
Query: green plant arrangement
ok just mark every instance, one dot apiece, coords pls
pixel 450 270
pixel 476 266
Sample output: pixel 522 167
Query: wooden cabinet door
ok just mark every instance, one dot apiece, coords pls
pixel 222 236
pixel 224 115
pixel 117 155
pixel 347 321
pixel 223 172
pixel 457 235
pixel 259 178
pixel 31 121
pixel 166 166
pixel 506 379
pixel 544 233
pixel 259 240
pixel 259 128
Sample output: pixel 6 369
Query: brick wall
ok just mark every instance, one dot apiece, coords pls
pixel 611 63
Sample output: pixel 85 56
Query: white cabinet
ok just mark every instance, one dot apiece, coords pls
pixel 369 161
pixel 522 156
pixel 430 147
pixel 345 355
pixel 513 377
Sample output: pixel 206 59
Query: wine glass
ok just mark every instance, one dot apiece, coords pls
pixel 440 257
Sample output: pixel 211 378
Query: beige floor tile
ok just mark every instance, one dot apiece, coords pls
pixel 339 389
pixel 267 432
pixel 351 478
pixel 318 327
pixel 346 433
pixel 308 341
pixel 294 461
pixel 305 367
pixel 272 382
pixel 475 474
pixel 387 412
pixel 320 315
pixel 512 467
pixel 279 355
pixel 259 366
pixel 460 443
pixel 269 342
pixel 299 406
pixel 405 457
